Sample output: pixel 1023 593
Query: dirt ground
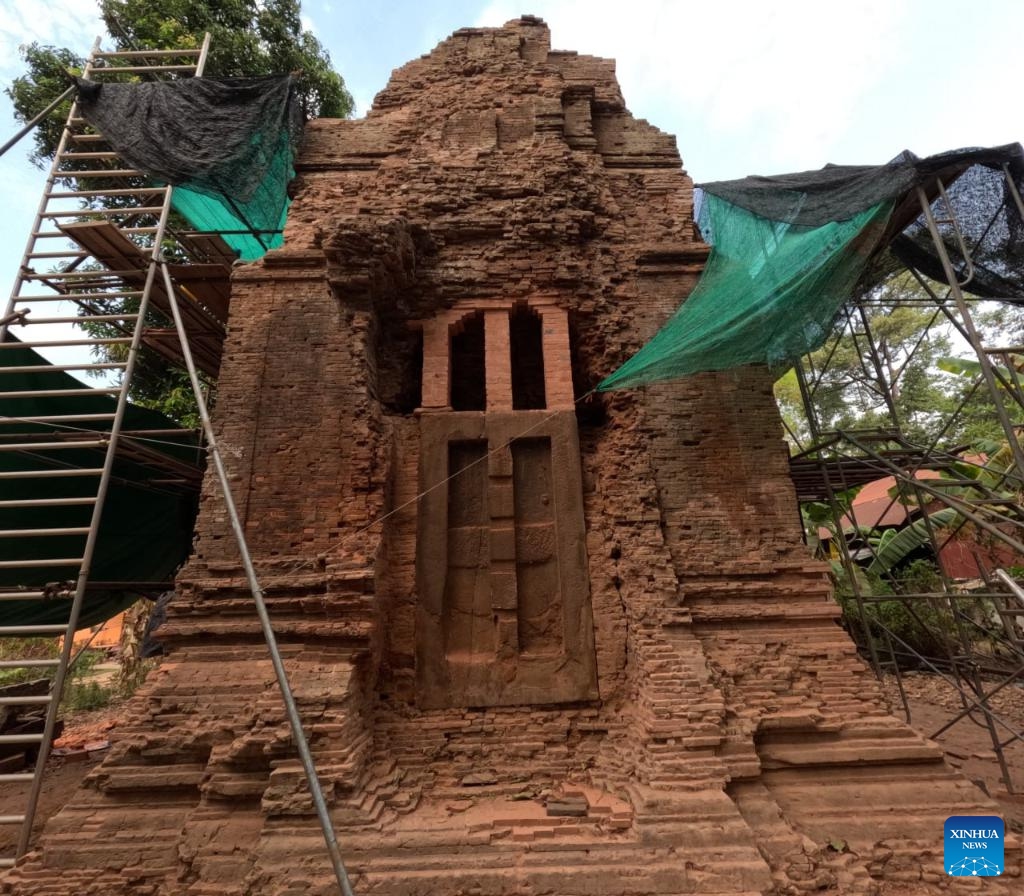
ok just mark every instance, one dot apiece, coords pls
pixel 933 703
pixel 968 743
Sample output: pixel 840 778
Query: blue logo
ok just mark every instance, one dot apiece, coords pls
pixel 974 845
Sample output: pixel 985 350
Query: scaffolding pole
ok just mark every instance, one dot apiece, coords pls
pixel 846 460
pixel 292 711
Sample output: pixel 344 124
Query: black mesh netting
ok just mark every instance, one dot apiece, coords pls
pixel 226 144
pixel 987 214
pixel 146 531
pixel 992 228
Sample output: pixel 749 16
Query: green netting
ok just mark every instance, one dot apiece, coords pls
pixel 210 215
pixel 249 223
pixel 146 530
pixel 768 294
pixel 788 250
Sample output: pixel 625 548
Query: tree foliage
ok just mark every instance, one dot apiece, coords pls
pixel 46 78
pixel 248 37
pixel 886 367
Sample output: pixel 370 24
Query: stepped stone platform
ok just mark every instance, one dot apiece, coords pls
pixel 545 643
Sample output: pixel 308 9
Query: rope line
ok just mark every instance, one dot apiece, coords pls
pixel 100 433
pixel 331 548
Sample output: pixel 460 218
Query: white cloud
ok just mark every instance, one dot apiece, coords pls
pixel 74 24
pixel 362 102
pixel 790 72
pixel 62 23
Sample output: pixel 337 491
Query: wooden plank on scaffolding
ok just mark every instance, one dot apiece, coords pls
pixel 209 247
pixel 206 294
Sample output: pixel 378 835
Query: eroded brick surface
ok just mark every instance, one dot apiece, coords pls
pixel 724 731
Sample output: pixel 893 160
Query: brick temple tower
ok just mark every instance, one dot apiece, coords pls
pixel 543 642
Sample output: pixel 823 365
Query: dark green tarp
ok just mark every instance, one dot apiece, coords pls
pixel 146 529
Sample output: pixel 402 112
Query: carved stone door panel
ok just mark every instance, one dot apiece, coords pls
pixel 504 606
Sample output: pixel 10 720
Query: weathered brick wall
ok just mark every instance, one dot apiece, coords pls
pixel 299 372
pixel 733 714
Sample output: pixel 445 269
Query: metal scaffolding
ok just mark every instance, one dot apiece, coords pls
pixel 98 246
pixel 71 275
pixel 953 498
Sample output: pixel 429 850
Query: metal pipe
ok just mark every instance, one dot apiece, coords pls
pixel 38 118
pixel 204 53
pixel 83 575
pixel 997 744
pixel 965 697
pixel 950 501
pixel 57 687
pixel 255 234
pixel 15 317
pixel 1014 192
pixel 958 233
pixel 899 678
pixel 851 569
pixel 294 719
pixel 805 394
pixel 885 386
pixel 984 698
pixel 50 181
pixel 972 333
pixel 972 596
pixel 1008 581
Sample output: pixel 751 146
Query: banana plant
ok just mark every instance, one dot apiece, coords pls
pixel 894 546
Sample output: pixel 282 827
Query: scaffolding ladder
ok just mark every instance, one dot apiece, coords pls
pixel 123 244
pixel 94 207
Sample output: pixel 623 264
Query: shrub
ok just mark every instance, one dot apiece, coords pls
pixel 87 695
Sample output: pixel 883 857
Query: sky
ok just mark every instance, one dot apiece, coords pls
pixel 746 87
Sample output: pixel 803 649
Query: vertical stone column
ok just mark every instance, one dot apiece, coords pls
pixel 557 359
pixel 498 361
pixel 436 364
pixel 501 505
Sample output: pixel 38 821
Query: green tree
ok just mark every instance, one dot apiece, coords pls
pixel 248 37
pixel 46 79
pixel 880 369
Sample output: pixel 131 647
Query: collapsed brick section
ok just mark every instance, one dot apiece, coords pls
pixel 726 723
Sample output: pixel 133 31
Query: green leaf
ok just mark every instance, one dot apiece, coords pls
pixel 972 369
pixel 959 366
pixel 817 513
pixel 842 579
pixel 884 540
pixel 909 539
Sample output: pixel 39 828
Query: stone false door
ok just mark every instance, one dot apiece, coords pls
pixel 504 605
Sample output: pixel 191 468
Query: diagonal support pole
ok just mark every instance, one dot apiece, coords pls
pixel 38 118
pixel 294 720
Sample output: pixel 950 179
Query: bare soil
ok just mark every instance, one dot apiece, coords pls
pixel 75 753
pixel 968 744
